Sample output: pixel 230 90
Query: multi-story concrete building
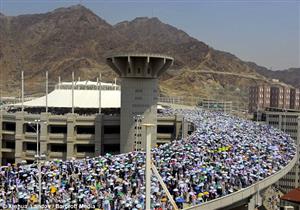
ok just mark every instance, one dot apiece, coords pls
pixel 69 135
pixel 63 134
pixel 275 95
pixel 295 98
pixel 289 122
pixel 286 97
pixel 259 97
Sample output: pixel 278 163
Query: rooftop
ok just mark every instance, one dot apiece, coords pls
pixel 292 196
pixel 86 95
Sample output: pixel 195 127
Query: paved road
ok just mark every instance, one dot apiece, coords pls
pixel 248 76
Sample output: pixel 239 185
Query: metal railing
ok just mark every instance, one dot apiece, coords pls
pixel 210 104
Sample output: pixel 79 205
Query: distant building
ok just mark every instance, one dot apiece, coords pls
pixel 85 133
pixel 213 105
pixel 286 97
pixel 291 199
pixel 276 96
pixel 294 98
pixel 259 97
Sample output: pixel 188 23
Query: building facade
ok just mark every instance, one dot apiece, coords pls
pixel 288 122
pixel 70 135
pixel 294 98
pixel 276 96
pixel 286 98
pixel 259 97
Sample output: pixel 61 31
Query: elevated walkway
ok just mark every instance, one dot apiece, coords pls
pixel 245 196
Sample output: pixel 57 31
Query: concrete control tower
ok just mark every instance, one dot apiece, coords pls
pixel 139 82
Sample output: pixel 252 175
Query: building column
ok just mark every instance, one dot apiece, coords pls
pixel 185 127
pixel 19 137
pixel 44 134
pixel 71 121
pixel 267 119
pixel 178 125
pixel 251 203
pixel 138 97
pixel 280 121
pixel 98 135
pixel 254 200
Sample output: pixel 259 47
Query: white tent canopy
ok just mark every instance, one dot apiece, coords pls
pixel 86 95
pixel 87 85
pixel 62 98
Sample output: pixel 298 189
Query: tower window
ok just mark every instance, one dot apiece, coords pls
pixel 128 70
pixel 139 70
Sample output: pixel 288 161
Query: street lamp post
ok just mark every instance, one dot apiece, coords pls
pixel 148 165
pixel 38 158
pixel 37 137
pixel 259 153
pixel 297 165
pixel 182 130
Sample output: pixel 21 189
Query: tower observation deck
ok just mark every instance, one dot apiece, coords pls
pixel 139 83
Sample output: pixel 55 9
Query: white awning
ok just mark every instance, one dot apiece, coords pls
pixel 82 99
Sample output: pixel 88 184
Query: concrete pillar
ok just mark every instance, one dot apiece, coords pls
pixel 185 128
pixel 44 134
pixel 19 137
pixel 267 119
pixel 280 121
pixel 181 126
pixel 178 125
pixel 255 200
pixel 148 128
pixel 252 202
pixel 71 121
pixel 139 97
pixel 98 135
pixel 139 80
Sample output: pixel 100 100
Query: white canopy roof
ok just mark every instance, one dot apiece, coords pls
pixel 82 99
pixel 85 97
pixel 87 85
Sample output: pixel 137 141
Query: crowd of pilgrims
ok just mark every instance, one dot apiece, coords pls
pixel 223 155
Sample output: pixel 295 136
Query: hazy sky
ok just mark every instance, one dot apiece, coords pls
pixel 266 32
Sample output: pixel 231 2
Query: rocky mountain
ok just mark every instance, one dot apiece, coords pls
pixel 150 34
pixel 75 39
pixel 290 76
